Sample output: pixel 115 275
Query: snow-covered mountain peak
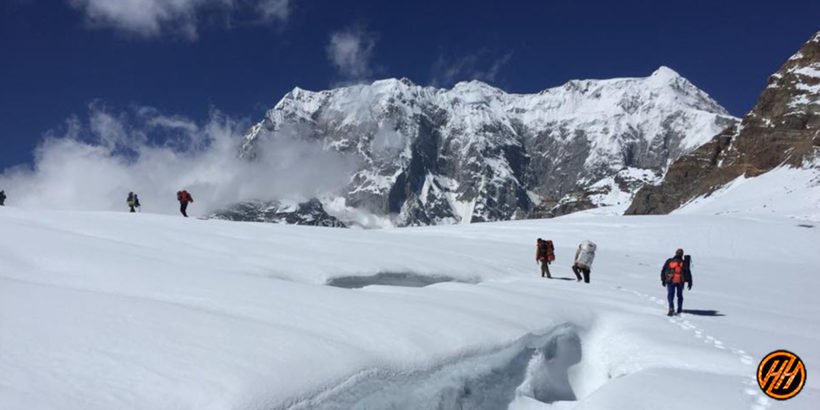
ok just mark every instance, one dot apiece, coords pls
pixel 671 85
pixel 477 153
pixel 474 85
pixel 780 130
pixel 393 84
pixel 665 73
pixel 669 79
pixel 406 81
pixel 476 93
pixel 663 88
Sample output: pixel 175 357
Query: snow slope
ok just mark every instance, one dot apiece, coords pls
pixel 140 311
pixel 784 191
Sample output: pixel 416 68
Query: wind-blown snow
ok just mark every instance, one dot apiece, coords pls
pixel 135 311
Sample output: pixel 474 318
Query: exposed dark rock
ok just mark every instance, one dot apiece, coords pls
pixel 306 213
pixel 783 129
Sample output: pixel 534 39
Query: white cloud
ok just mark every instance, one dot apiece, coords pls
pixel 479 66
pixel 274 9
pixel 152 18
pixel 93 164
pixel 350 51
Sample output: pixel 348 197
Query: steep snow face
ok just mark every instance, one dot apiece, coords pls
pixel 475 153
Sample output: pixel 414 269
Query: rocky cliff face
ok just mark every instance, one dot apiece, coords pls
pixel 783 129
pixel 305 213
pixel 475 153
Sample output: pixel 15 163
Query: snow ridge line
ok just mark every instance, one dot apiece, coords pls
pixel 760 401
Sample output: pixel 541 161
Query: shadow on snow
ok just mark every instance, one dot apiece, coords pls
pixel 700 312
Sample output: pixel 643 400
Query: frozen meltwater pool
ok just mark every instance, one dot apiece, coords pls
pixel 403 279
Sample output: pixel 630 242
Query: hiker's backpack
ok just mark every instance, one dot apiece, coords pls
pixel 674 271
pixel 586 255
pixel 550 251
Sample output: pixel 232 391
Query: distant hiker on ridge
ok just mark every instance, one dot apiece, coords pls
pixel 583 260
pixel 674 273
pixel 2 198
pixel 184 199
pixel 544 254
pixel 133 201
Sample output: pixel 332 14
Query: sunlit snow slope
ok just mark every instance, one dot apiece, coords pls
pixel 140 311
pixel 783 191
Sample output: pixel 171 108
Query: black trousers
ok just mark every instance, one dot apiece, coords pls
pixel 183 207
pixel 579 270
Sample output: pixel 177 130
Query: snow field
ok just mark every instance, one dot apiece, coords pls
pixel 108 310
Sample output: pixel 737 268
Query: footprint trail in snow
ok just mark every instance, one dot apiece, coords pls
pixel 760 401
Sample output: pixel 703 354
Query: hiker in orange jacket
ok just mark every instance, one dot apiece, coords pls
pixel 674 274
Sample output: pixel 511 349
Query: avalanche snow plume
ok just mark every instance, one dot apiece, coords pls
pixel 102 310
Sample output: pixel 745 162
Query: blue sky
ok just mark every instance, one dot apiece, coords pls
pixel 189 57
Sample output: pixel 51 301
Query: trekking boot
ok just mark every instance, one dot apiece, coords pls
pixel 671 312
pixel 679 311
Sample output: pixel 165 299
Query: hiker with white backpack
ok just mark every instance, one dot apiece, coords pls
pixel 583 260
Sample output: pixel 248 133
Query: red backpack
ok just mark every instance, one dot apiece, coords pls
pixel 546 251
pixel 183 196
pixel 674 271
pixel 550 251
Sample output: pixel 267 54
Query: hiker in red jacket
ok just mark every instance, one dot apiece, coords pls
pixel 184 198
pixel 544 254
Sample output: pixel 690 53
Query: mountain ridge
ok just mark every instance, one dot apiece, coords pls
pixel 475 153
pixel 782 129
